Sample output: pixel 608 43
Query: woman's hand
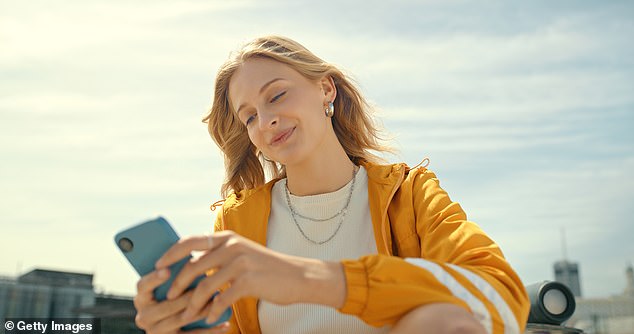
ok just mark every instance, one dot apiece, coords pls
pixel 438 318
pixel 251 271
pixel 166 316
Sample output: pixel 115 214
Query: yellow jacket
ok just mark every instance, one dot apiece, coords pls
pixel 428 252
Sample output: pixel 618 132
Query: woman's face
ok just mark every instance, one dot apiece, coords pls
pixel 282 110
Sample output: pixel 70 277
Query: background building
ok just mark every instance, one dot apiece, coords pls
pixel 46 294
pixel 116 313
pixel 611 315
pixel 629 277
pixel 567 272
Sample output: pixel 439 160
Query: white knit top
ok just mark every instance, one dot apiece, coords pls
pixel 354 239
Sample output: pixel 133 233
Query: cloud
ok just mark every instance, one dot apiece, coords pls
pixel 53 31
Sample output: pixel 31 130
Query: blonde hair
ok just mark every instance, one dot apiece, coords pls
pixel 244 164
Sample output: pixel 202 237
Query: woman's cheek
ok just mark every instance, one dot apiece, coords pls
pixel 253 137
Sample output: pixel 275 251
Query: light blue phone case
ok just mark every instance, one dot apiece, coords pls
pixel 145 244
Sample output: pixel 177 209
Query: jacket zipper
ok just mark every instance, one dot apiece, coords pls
pixel 383 219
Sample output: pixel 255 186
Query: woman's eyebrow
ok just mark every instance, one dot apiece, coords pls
pixel 260 92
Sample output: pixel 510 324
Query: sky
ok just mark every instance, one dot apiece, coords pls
pixel 525 109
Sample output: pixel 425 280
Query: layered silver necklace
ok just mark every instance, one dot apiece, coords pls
pixel 341 213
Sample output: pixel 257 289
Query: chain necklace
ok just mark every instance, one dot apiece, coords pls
pixel 341 212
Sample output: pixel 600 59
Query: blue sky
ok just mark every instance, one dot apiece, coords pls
pixel 525 110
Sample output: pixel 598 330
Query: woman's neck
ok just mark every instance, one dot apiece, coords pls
pixel 320 174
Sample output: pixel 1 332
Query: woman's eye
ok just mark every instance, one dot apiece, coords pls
pixel 250 119
pixel 277 97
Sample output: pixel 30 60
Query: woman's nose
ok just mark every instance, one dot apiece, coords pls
pixel 268 120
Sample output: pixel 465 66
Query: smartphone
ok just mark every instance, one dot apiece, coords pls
pixel 143 244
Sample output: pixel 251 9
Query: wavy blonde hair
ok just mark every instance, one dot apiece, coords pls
pixel 244 164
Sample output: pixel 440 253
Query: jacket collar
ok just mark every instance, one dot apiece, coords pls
pixel 383 182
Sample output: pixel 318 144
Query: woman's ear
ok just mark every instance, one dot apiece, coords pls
pixel 329 89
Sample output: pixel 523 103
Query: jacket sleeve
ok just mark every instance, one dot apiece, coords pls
pixel 458 263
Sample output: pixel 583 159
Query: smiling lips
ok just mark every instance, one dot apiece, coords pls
pixel 282 137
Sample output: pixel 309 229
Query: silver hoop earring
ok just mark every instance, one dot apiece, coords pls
pixel 330 110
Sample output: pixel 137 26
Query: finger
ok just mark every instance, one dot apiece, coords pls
pixel 220 328
pixel 207 287
pixel 185 246
pixel 146 285
pixel 164 316
pixel 198 267
pixel 225 299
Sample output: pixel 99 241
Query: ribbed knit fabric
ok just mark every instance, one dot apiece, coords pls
pixel 354 239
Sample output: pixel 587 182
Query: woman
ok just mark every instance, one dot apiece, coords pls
pixel 334 242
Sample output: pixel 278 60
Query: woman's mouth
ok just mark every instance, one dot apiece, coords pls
pixel 282 137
